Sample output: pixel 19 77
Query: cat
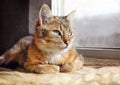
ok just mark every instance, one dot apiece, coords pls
pixel 50 50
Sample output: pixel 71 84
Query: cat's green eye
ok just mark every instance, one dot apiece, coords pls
pixel 56 32
pixel 70 33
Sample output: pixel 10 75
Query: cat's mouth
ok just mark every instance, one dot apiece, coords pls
pixel 63 46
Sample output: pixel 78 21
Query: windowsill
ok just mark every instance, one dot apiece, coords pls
pixel 100 53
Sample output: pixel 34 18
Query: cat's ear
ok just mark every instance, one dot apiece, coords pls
pixel 44 14
pixel 70 15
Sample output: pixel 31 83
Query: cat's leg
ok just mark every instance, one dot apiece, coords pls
pixel 17 52
pixel 74 66
pixel 42 68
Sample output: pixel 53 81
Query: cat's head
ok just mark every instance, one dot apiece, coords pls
pixel 53 33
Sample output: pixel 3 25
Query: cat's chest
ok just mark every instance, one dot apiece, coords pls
pixel 56 59
pixel 59 58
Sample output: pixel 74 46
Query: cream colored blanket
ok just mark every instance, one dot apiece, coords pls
pixel 86 76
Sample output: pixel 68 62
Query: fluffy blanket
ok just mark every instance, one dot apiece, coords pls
pixel 86 76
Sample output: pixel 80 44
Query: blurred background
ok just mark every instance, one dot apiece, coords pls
pixel 96 22
pixel 15 20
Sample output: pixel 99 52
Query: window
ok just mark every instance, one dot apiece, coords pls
pixel 96 24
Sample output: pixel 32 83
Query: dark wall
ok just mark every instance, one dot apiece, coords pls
pixel 13 22
pixel 34 8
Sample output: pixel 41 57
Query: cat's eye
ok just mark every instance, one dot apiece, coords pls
pixel 70 33
pixel 56 32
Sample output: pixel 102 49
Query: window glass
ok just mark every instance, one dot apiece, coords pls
pixel 96 22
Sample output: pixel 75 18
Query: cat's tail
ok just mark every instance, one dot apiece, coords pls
pixel 17 53
pixel 97 62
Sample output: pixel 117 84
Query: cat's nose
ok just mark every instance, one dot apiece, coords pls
pixel 66 43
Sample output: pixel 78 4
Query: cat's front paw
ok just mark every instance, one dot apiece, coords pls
pixel 74 66
pixel 66 68
pixel 49 69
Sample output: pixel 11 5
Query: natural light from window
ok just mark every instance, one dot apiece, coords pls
pixel 85 7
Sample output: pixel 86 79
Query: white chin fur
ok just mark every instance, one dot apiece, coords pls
pixel 66 49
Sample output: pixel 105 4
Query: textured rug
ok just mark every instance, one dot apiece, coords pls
pixel 86 76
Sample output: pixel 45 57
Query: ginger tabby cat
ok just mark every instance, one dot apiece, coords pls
pixel 52 48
